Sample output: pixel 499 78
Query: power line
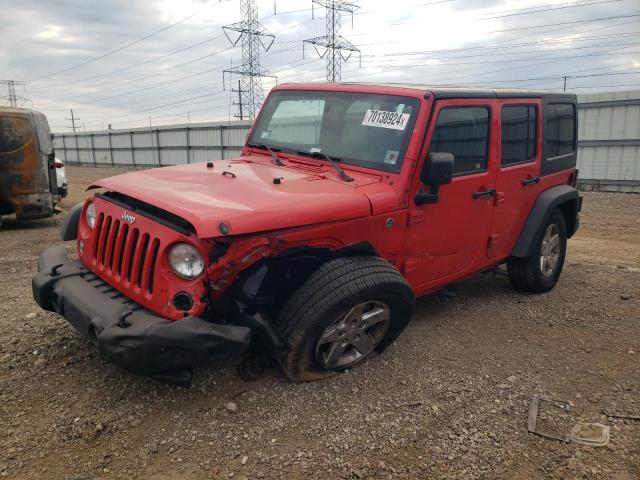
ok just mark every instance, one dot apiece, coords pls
pixel 110 84
pixel 512 60
pixel 119 49
pixel 565 23
pixel 514 13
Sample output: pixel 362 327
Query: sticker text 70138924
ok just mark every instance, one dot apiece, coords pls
pixel 383 119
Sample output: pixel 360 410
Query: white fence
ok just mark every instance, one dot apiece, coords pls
pixel 609 147
pixel 166 145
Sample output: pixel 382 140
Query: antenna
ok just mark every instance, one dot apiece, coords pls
pixel 252 36
pixel 333 46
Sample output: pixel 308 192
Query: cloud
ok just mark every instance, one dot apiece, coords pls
pixel 179 70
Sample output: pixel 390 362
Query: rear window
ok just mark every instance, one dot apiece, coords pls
pixel 560 131
pixel 15 133
pixel 518 134
pixel 463 132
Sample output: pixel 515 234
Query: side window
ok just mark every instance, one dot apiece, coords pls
pixel 560 130
pixel 518 134
pixel 15 133
pixel 463 132
pixel 296 122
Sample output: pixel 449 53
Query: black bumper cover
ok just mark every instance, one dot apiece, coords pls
pixel 125 333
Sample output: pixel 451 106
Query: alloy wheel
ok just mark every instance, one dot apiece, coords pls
pixel 353 336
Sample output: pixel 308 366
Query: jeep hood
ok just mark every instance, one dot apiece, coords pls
pixel 243 194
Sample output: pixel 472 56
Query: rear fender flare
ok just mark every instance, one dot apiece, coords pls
pixel 563 197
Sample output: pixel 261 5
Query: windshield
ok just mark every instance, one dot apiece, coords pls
pixel 356 128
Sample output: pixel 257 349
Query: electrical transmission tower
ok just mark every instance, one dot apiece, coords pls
pixel 13 98
pixel 252 36
pixel 333 46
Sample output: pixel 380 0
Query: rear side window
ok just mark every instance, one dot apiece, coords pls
pixel 518 134
pixel 560 131
pixel 15 133
pixel 463 132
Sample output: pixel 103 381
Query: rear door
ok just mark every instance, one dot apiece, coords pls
pixel 518 179
pixel 448 239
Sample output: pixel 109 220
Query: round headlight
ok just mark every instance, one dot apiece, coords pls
pixel 90 215
pixel 186 261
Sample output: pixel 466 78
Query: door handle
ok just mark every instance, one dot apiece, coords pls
pixel 484 193
pixel 531 181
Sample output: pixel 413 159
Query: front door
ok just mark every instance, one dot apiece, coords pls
pixel 448 239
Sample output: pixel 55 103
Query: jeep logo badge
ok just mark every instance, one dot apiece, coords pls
pixel 130 219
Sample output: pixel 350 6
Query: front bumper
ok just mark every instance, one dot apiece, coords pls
pixel 125 333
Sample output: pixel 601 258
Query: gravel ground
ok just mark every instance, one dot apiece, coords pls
pixel 448 400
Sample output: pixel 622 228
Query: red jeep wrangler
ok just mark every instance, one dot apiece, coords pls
pixel 346 203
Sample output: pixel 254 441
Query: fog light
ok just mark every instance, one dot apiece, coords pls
pixel 80 247
pixel 183 301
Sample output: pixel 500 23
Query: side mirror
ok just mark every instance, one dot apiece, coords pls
pixel 437 170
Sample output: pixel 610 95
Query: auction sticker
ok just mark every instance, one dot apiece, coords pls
pixel 383 119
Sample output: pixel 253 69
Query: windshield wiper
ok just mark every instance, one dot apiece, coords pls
pixel 333 163
pixel 271 150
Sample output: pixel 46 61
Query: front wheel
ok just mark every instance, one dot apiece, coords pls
pixel 540 271
pixel 347 309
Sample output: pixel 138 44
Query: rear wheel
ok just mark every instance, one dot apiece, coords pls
pixel 347 309
pixel 540 271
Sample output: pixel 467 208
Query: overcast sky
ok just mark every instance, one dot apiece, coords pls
pixel 176 74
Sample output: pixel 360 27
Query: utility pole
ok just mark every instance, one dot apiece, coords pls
pixel 239 91
pixel 564 89
pixel 252 36
pixel 333 46
pixel 12 97
pixel 73 119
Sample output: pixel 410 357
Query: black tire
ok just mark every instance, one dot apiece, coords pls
pixel 327 295
pixel 526 274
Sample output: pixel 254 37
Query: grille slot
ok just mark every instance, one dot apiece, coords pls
pixel 119 251
pixel 141 257
pixel 155 247
pixel 131 252
pixel 124 253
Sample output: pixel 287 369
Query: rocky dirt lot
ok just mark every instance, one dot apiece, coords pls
pixel 448 400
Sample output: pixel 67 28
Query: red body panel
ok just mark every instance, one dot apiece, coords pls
pixel 432 245
pixel 115 251
pixel 242 194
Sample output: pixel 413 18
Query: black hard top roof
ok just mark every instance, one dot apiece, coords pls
pixel 468 91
